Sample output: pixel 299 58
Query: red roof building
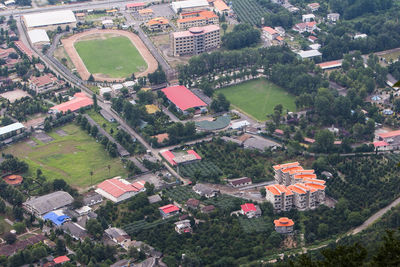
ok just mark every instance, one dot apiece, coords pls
pixel 135 6
pixel 183 158
pixel 248 207
pixel 182 97
pixel 118 190
pixel 80 100
pixel 43 83
pixel 61 260
pixel 168 210
pixel 22 47
pixel 250 210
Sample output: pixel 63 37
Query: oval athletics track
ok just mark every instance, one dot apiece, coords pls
pixel 69 47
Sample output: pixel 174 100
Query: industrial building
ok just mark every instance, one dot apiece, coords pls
pixel 11 130
pixel 80 100
pixel 50 20
pixel 196 40
pixel 38 37
pixel 189 5
pixel 47 203
pixel 117 189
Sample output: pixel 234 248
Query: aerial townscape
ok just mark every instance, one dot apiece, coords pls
pixel 194 133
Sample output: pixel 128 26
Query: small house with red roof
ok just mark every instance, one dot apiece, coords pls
pixel 183 98
pixel 284 225
pixel 135 6
pixel 168 210
pixel 117 189
pixel 177 158
pixel 250 210
pixel 382 146
pixel 61 260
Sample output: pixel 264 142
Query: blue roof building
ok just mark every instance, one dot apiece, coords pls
pixel 56 217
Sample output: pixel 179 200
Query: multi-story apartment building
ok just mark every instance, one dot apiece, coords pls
pixel 196 40
pixel 306 191
pixel 280 197
pixel 197 19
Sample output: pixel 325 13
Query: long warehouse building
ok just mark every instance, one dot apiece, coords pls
pixel 50 20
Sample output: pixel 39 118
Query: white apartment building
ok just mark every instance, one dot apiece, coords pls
pixel 196 40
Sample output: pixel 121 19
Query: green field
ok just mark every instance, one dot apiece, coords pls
pixel 258 98
pixel 114 57
pixel 71 157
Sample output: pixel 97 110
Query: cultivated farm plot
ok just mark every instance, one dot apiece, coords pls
pixel 225 202
pixel 258 98
pixel 138 226
pixel 255 225
pixel 181 194
pixel 71 157
pixel 249 11
pixel 393 157
pixel 206 169
pixel 114 57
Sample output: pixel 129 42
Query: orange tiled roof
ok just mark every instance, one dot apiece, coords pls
pixel 292 169
pixel 156 21
pixel 278 189
pixel 284 221
pixel 221 6
pixel 285 165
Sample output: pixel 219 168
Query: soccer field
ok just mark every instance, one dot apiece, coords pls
pixel 114 57
pixel 71 157
pixel 258 98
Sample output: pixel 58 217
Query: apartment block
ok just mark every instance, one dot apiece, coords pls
pixel 303 187
pixel 196 40
pixel 197 19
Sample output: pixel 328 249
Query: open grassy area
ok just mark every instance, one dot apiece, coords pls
pixel 97 117
pixel 258 98
pixel 71 157
pixel 4 227
pixel 114 57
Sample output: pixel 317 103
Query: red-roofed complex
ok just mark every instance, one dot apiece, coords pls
pixel 80 100
pixel 382 145
pixel 183 98
pixel 135 6
pixel 117 189
pixel 61 260
pixel 180 158
pixel 284 225
pixel 197 19
pixel 305 27
pixel 43 83
pixel 168 210
pixel 306 191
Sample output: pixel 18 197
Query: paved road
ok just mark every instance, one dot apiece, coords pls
pixel 371 220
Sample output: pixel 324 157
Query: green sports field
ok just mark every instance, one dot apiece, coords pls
pixel 258 98
pixel 114 57
pixel 71 157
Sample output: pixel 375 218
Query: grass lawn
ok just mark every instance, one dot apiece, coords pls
pixel 71 157
pixel 97 117
pixel 115 57
pixel 4 227
pixel 258 98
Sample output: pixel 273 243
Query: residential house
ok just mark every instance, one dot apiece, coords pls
pixel 270 33
pixel 193 203
pixel 205 191
pixel 333 17
pixel 313 6
pixel 305 27
pixel 119 236
pixel 92 199
pixel 240 182
pixel 183 227
pixel 75 230
pixel 135 7
pixel 308 17
pixel 250 210
pixel 207 209
pixel 168 210
pixel 159 23
pixel 284 225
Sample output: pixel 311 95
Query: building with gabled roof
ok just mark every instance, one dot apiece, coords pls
pixel 80 100
pixel 135 6
pixel 313 6
pixel 239 182
pixel 43 83
pixel 61 260
pixel 117 189
pixel 159 23
pixel 189 5
pixel 168 210
pixel 250 210
pixel 183 227
pixel 119 236
pixel 183 98
pixel 11 130
pixel 197 19
pixel 220 7
pixel 205 190
pixel 46 203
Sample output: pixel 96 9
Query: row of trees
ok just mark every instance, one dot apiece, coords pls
pixel 242 35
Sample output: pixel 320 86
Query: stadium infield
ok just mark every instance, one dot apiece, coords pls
pixel 110 55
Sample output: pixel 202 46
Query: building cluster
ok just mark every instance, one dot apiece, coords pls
pixel 295 188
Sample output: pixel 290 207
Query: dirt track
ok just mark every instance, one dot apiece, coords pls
pixel 81 68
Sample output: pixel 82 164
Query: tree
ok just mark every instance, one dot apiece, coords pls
pixel 94 97
pixel 94 228
pixel 60 247
pixel 224 27
pixel 59 184
pixel 10 238
pixel 263 192
pixel 19 227
pixel 91 78
pixel 323 141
